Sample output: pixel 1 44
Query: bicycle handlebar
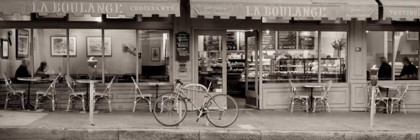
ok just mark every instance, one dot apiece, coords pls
pixel 178 81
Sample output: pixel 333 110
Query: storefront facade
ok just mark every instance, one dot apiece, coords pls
pixel 246 49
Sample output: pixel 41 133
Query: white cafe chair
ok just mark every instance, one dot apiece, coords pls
pixel 399 99
pixel 50 93
pixel 11 91
pixel 106 94
pixel 74 94
pixel 139 96
pixel 324 97
pixel 304 99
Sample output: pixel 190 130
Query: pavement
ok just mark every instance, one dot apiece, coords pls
pixel 251 124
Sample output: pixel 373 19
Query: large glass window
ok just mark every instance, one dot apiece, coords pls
pixel 210 61
pixel 333 52
pixel 154 52
pixel 88 44
pixel 50 52
pixel 393 55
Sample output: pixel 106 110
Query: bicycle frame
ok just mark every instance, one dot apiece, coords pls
pixel 179 90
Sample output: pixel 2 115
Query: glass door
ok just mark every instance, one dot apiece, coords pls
pixel 211 61
pixel 252 69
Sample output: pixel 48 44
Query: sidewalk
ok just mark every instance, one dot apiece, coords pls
pixel 251 124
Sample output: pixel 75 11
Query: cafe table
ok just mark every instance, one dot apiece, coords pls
pixel 312 96
pixel 387 89
pixel 29 80
pixel 91 93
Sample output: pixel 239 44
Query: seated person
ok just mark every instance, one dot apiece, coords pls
pixel 22 71
pixel 385 71
pixel 41 71
pixel 409 71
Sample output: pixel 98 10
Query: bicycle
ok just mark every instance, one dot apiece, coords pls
pixel 221 110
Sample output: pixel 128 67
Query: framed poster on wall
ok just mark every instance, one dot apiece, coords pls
pixel 4 48
pixel 22 43
pixel 94 46
pixel 59 46
pixel 155 53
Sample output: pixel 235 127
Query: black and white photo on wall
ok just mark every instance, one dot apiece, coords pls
pixel 4 48
pixel 155 52
pixel 59 46
pixel 22 43
pixel 94 46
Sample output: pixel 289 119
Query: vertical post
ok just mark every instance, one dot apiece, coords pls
pixel 373 82
pixel 103 57
pixel 91 104
pixel 68 52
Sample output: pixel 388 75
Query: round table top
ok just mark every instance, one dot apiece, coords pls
pixel 29 79
pixel 87 81
pixel 388 87
pixel 312 86
pixel 159 83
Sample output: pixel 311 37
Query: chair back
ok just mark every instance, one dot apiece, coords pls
pixel 70 83
pixel 109 87
pixel 292 88
pixel 327 88
pixel 403 89
pixel 51 88
pixel 136 87
pixel 9 84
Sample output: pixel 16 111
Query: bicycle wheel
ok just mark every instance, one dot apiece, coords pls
pixel 222 110
pixel 169 110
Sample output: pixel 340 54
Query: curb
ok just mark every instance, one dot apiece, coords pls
pixel 186 134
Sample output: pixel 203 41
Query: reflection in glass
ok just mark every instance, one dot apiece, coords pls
pixel 379 54
pixel 333 54
pixel 210 62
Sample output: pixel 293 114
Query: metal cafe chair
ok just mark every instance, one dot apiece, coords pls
pixel 74 94
pixel 139 96
pixel 106 94
pixel 369 95
pixel 399 99
pixel 378 97
pixel 323 97
pixel 50 93
pixel 11 91
pixel 304 99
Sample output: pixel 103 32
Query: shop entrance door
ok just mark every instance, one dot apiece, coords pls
pixel 211 61
pixel 252 69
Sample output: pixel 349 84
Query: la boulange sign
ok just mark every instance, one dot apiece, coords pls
pixel 126 7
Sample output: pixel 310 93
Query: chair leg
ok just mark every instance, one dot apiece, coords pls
pixel 291 107
pixel 23 101
pixel 53 103
pixel 387 110
pixel 314 106
pixel 307 106
pixel 392 106
pixel 83 103
pixel 135 103
pixel 150 104
pixel 68 104
pixel 403 104
pixel 109 105
pixel 328 107
pixel 7 100
pixel 161 106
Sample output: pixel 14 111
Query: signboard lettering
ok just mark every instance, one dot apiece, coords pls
pixel 182 47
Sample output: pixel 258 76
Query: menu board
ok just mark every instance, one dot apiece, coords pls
pixel 211 43
pixel 306 43
pixel 287 40
pixel 241 40
pixel 182 47
pixel 268 40
pixel 231 41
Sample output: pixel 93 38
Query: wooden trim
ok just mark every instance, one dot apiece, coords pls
pixel 87 25
pixel 306 27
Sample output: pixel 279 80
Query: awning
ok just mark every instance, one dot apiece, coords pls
pixel 129 8
pixel 286 9
pixel 401 9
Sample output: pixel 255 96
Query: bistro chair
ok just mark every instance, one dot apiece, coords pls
pixel 139 96
pixel 378 97
pixel 50 93
pixel 11 91
pixel 304 99
pixel 399 99
pixel 106 94
pixel 74 94
pixel 323 97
